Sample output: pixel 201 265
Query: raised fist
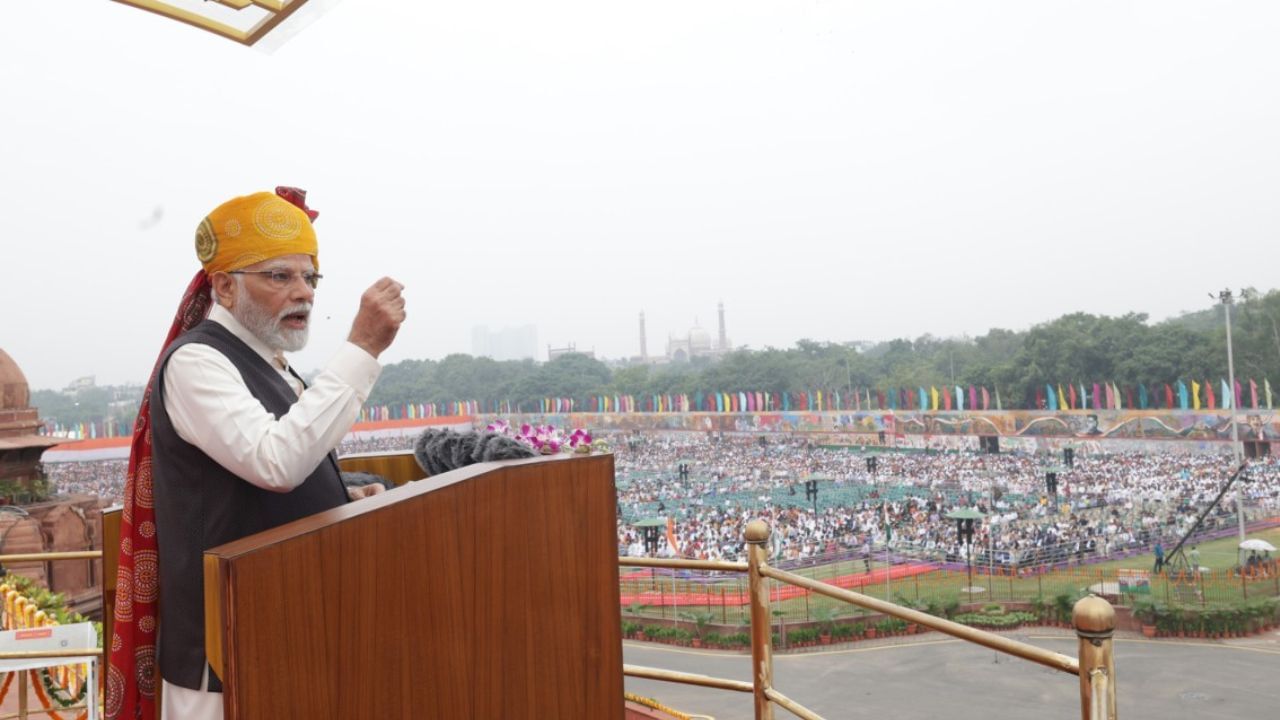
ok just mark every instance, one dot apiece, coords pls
pixel 379 318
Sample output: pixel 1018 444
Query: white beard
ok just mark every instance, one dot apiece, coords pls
pixel 267 328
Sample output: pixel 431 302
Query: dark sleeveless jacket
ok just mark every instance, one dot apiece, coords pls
pixel 200 505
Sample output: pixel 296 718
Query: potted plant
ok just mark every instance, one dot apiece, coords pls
pixel 1209 622
pixel 1195 623
pixel 1179 619
pixel 889 626
pixel 910 628
pixel 1235 622
pixel 950 606
pixel 825 615
pixel 1063 603
pixel 635 610
pixel 801 637
pixel 1145 612
pixel 700 620
pixel 1039 608
pixel 933 606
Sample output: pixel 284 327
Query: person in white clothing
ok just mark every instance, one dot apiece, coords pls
pixel 237 441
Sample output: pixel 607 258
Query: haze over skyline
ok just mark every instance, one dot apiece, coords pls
pixel 830 170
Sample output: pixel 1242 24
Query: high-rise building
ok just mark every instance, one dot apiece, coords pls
pixel 518 343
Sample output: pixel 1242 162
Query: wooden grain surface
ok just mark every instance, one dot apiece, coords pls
pixel 488 592
pixel 110 562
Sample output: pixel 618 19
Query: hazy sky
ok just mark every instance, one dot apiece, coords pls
pixel 831 170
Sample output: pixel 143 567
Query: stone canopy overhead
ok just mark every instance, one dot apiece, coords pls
pixel 244 21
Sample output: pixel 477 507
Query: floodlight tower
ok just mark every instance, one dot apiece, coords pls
pixel 1225 297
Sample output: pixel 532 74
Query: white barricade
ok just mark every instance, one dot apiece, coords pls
pixel 80 636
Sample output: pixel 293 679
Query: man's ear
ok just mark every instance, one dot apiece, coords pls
pixel 224 288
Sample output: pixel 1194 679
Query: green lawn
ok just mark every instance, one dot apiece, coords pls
pixel 1219 554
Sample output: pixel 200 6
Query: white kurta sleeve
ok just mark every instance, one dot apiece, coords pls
pixel 211 407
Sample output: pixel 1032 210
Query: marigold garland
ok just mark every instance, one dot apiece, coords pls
pixel 25 605
pixel 44 699
pixel 56 692
pixel 655 705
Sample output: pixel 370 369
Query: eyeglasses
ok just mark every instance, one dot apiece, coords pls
pixel 281 279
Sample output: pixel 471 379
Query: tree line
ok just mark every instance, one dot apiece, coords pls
pixel 1075 348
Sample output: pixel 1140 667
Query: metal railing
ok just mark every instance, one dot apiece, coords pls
pixel 1093 618
pixel 92 704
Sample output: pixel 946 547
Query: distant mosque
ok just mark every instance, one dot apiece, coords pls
pixel 696 343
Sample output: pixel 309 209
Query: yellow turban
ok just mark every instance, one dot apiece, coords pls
pixel 252 228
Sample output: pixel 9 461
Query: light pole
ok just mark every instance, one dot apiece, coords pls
pixel 965 518
pixel 991 537
pixel 1226 299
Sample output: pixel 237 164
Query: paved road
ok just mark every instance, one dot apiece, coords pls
pixel 937 677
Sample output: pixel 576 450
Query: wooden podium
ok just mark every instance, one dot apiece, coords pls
pixel 489 592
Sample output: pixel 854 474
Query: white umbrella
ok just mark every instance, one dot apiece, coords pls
pixel 1257 544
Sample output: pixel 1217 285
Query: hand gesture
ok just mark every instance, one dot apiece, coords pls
pixel 378 320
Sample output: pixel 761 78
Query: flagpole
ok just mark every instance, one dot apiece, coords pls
pixel 1225 297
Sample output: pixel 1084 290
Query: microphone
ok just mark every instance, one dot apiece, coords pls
pixel 439 451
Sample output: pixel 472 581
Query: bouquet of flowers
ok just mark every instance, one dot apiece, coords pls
pixel 547 439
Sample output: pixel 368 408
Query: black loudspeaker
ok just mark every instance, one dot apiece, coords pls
pixel 1069 457
pixel 871 464
pixel 989 444
pixel 1051 483
pixel 651 535
pixel 881 436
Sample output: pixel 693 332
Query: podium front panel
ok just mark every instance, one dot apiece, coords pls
pixel 487 592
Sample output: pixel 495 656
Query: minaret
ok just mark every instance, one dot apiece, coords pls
pixel 724 339
pixel 644 352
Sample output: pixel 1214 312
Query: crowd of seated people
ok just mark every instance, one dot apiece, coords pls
pixel 1105 504
pixel 711 486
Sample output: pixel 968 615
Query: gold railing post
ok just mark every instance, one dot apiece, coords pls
pixel 757 536
pixel 1095 622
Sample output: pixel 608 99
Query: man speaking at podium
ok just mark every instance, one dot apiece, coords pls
pixel 229 440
